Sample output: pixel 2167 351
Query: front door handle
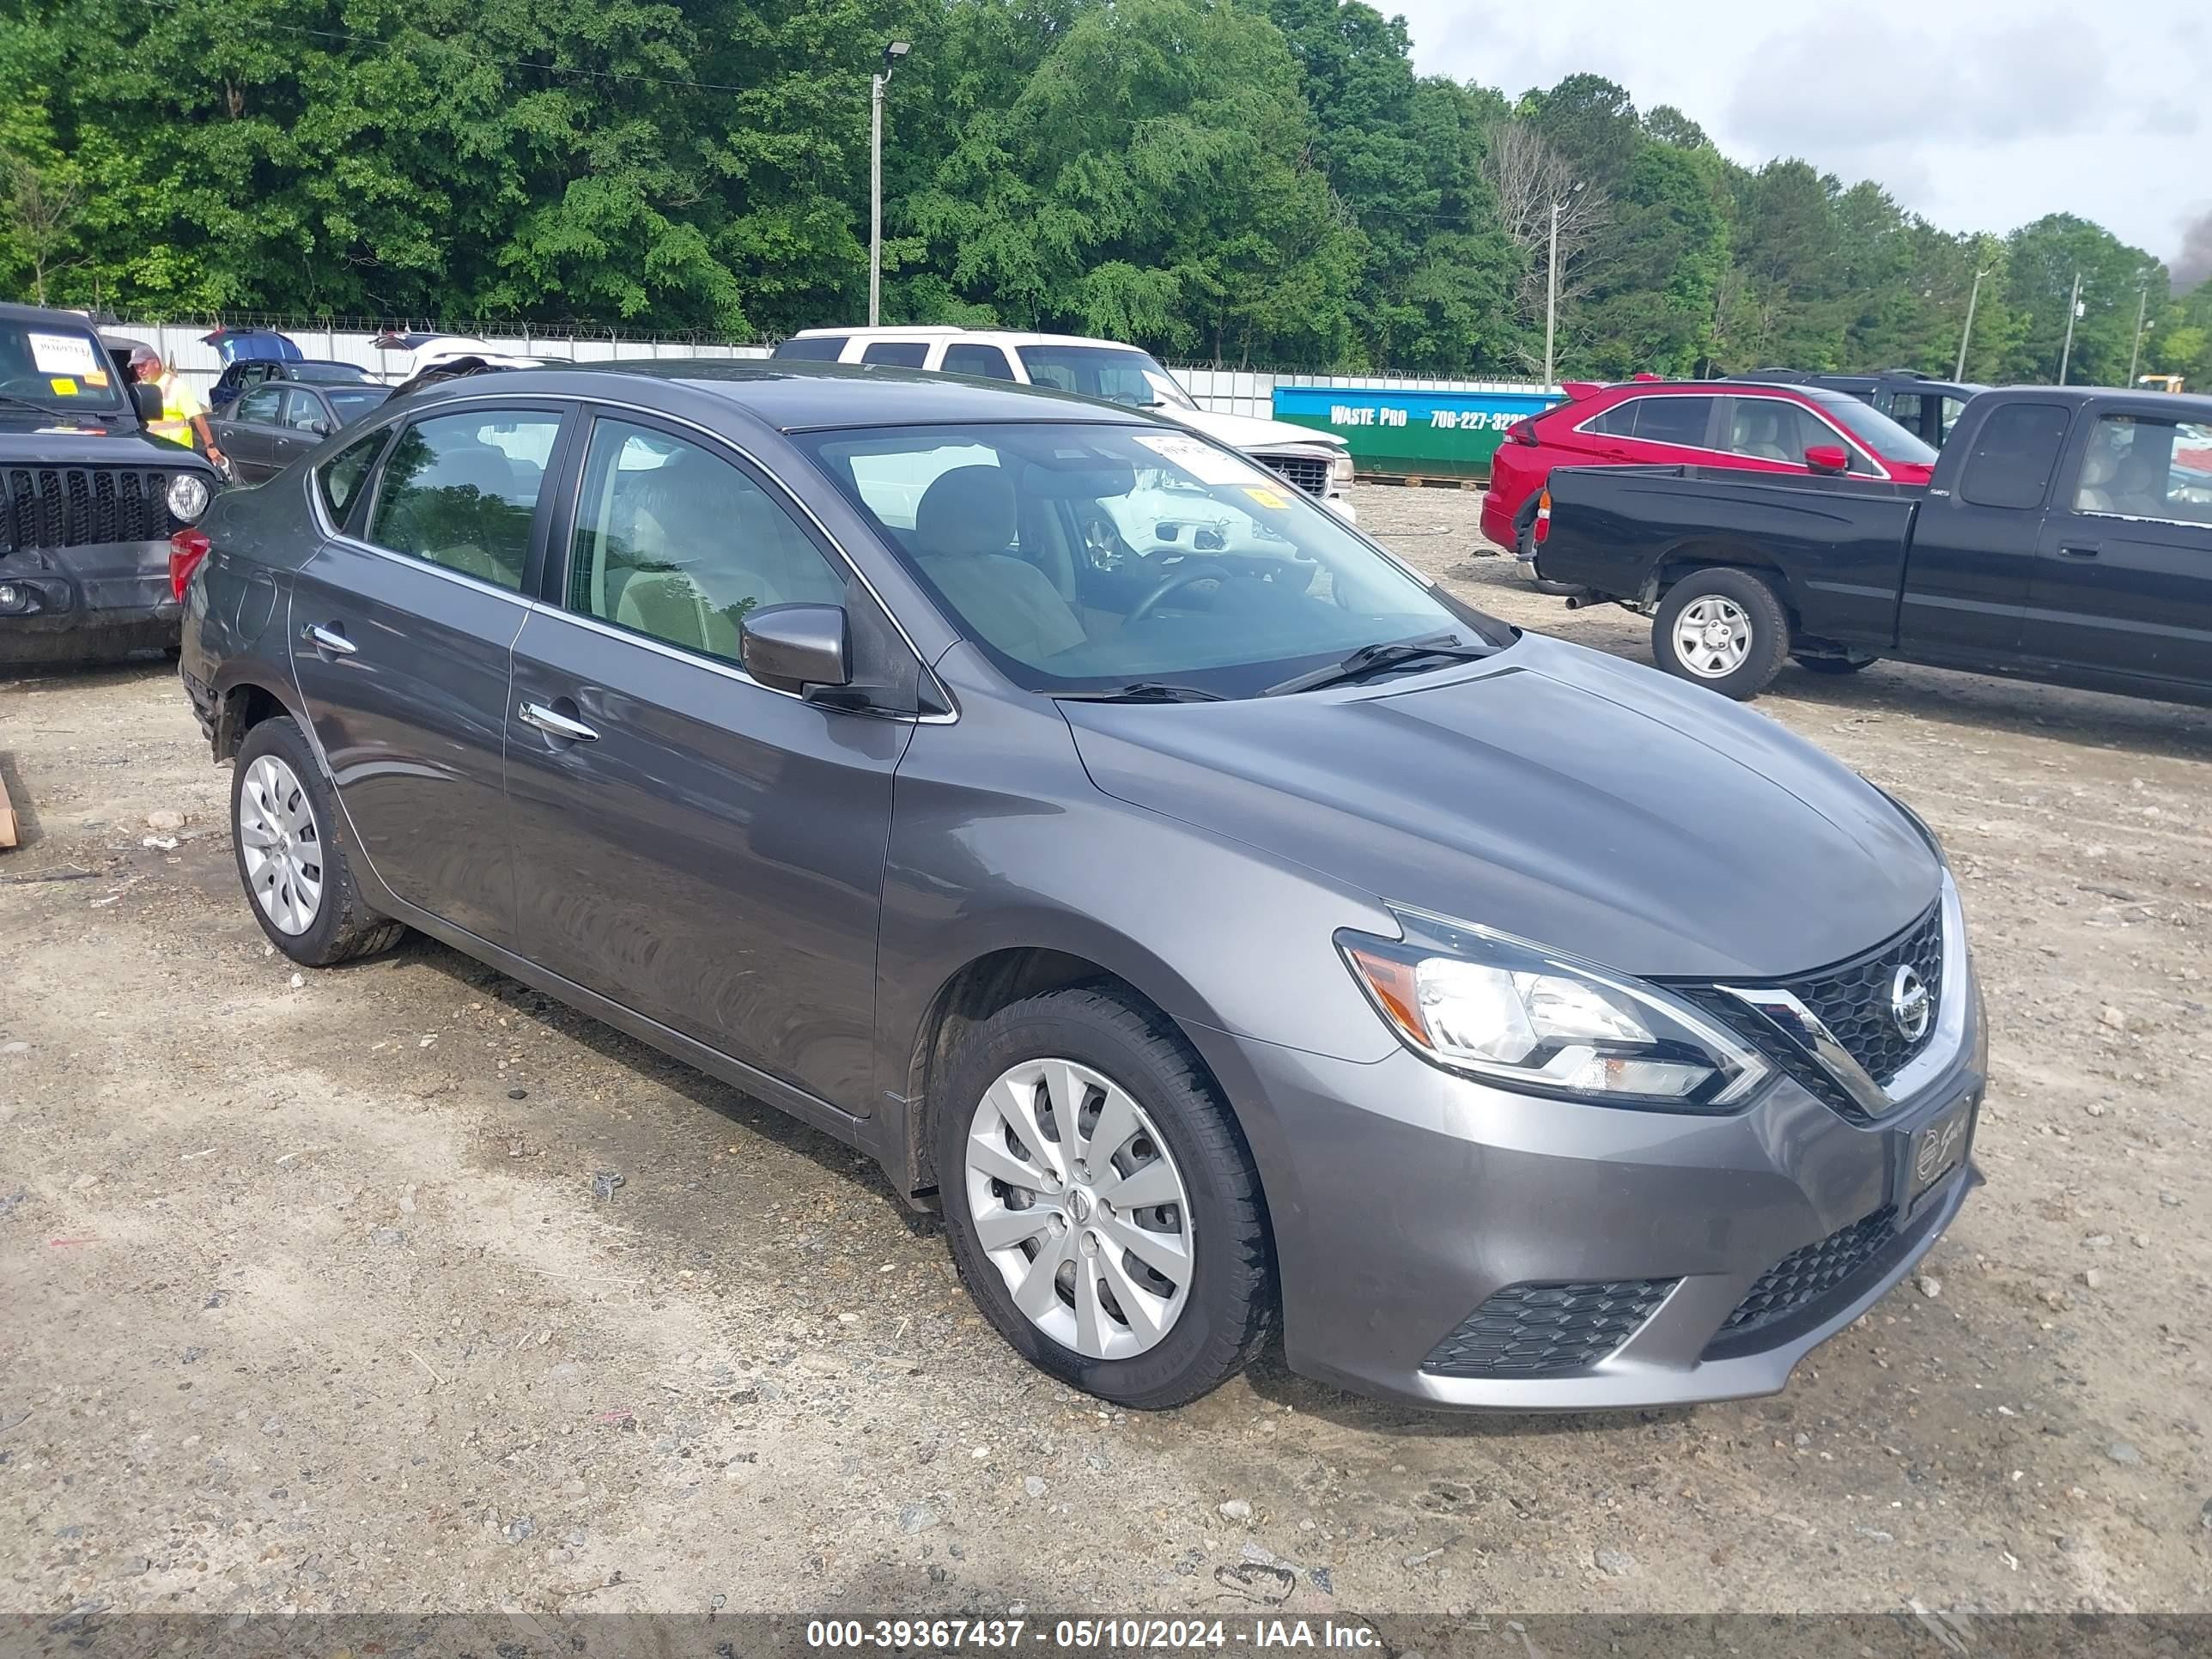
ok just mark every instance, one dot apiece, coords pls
pixel 330 640
pixel 554 723
pixel 2077 552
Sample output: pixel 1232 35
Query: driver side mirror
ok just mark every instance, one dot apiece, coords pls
pixel 1827 457
pixel 146 399
pixel 796 647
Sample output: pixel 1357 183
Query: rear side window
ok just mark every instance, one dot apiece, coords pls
pixel 1673 420
pixel 814 348
pixel 899 353
pixel 340 478
pixel 258 407
pixel 459 491
pixel 986 360
pixel 2013 455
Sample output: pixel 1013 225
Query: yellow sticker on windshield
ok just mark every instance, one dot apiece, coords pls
pixel 1266 497
pixel 95 378
pixel 62 388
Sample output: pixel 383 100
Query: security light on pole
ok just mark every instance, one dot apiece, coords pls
pixel 892 53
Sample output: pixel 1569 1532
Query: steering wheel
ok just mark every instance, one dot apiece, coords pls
pixel 1202 570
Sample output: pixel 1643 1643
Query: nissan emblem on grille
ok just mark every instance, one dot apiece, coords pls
pixel 1909 1004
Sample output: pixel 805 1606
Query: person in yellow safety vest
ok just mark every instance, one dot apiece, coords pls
pixel 184 413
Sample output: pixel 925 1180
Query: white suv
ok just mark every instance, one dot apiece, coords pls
pixel 1317 463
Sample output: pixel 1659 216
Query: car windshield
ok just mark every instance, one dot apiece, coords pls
pixel 1876 430
pixel 57 365
pixel 1087 557
pixel 1120 374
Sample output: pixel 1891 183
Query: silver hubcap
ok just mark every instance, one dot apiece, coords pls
pixel 281 846
pixel 1079 1207
pixel 1712 636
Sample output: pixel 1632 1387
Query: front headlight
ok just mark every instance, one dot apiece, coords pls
pixel 1508 1011
pixel 188 496
pixel 1340 471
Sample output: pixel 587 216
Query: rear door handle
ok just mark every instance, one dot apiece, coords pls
pixel 330 640
pixel 2077 552
pixel 554 722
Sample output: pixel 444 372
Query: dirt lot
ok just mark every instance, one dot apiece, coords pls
pixel 309 1303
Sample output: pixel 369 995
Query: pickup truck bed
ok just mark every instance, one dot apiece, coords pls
pixel 2066 537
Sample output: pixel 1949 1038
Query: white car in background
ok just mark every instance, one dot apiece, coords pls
pixel 1317 463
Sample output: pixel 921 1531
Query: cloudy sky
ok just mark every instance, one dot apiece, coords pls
pixel 1979 114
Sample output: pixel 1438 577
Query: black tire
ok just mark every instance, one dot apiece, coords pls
pixel 1833 664
pixel 1230 1306
pixel 1765 649
pixel 344 926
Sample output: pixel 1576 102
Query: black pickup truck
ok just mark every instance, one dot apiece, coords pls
pixel 89 497
pixel 2066 537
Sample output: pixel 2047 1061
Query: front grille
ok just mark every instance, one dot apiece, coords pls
pixel 1807 1276
pixel 1546 1330
pixel 1308 472
pixel 1853 1000
pixel 80 506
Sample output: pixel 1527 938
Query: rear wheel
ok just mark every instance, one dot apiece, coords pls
pixel 292 856
pixel 1722 627
pixel 1102 1209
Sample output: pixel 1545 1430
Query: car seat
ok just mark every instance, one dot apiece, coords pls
pixel 963 527
pixel 2100 467
pixel 1758 432
pixel 461 512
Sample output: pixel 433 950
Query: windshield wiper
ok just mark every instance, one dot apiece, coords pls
pixel 1371 659
pixel 1141 691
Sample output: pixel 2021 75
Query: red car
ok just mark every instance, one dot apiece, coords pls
pixel 1792 430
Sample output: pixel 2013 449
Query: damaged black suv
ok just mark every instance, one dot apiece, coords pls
pixel 88 497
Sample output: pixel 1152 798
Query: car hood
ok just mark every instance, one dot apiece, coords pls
pixel 1244 432
pixel 57 440
pixel 1594 805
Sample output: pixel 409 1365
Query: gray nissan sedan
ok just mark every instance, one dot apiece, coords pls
pixel 1216 921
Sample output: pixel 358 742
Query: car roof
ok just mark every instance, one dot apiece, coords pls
pixel 942 332
pixel 798 396
pixel 19 314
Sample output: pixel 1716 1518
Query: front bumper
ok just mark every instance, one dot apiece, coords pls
pixel 1404 1198
pixel 80 602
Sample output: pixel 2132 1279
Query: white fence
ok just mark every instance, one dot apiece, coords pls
pixel 1227 390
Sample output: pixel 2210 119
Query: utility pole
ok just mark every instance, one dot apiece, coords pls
pixel 2134 351
pixel 1967 332
pixel 2073 310
pixel 1551 283
pixel 892 53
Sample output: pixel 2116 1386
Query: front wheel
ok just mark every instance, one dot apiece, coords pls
pixel 1723 628
pixel 1101 1203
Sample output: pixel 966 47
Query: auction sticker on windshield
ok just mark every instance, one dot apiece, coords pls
pixel 64 355
pixel 1202 461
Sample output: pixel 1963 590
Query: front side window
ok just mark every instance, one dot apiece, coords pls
pixel 1042 542
pixel 340 478
pixel 258 407
pixel 1776 429
pixel 459 491
pixel 986 362
pixel 303 412
pixel 2140 466
pixel 2013 457
pixel 1119 374
pixel 676 542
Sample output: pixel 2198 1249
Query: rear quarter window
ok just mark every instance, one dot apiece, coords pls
pixel 340 478
pixel 813 348
pixel 2013 455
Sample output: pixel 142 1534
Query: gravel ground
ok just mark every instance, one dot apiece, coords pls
pixel 311 1303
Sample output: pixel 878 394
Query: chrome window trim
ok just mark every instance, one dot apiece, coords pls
pixel 1850 443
